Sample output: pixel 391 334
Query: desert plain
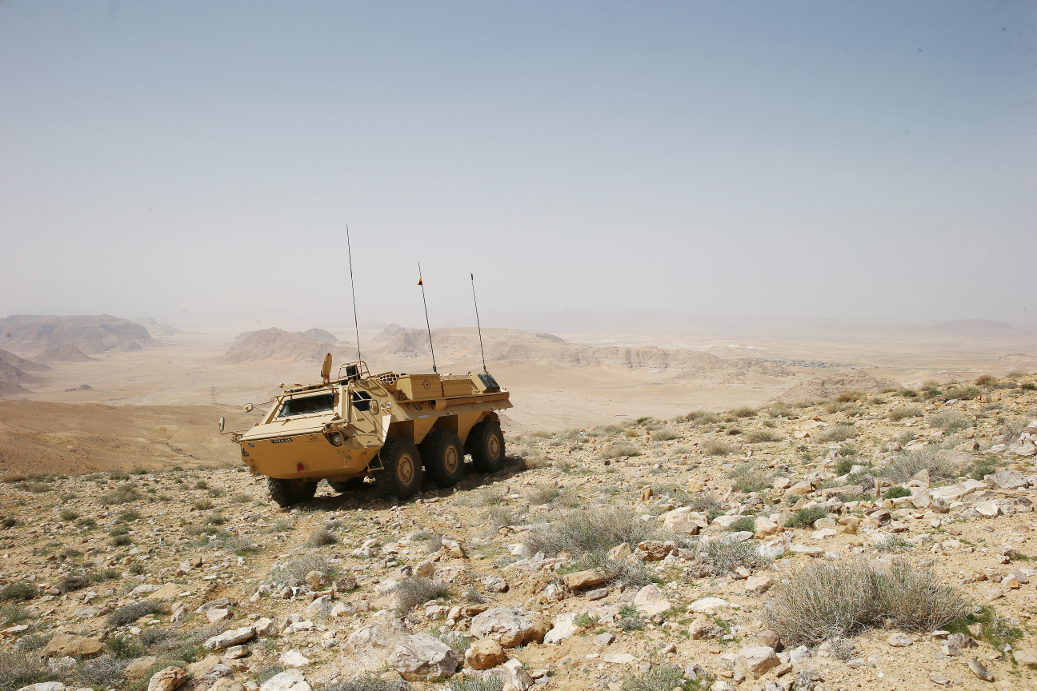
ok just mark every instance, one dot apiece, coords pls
pixel 834 509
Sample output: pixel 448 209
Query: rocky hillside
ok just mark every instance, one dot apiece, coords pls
pixel 32 333
pixel 876 541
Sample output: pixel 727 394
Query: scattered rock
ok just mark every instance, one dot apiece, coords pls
pixel 167 679
pixel 70 645
pixel 421 657
pixel 651 601
pixel 510 626
pixel 484 654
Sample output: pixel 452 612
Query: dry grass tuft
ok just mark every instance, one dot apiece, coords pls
pixel 619 450
pixel 827 601
pixel 723 556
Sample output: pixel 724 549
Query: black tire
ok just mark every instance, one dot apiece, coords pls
pixel 290 492
pixel 444 458
pixel 347 485
pixel 486 446
pixel 401 477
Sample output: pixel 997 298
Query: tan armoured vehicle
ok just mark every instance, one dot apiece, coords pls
pixel 389 427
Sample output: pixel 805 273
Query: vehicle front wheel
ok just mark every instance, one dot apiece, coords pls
pixel 289 492
pixel 401 475
pixel 486 445
pixel 444 457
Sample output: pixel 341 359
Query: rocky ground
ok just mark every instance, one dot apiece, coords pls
pixel 712 551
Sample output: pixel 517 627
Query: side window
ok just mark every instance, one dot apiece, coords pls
pixel 362 401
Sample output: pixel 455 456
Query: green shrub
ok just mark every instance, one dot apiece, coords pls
pixel 19 591
pixel 805 518
pixel 896 492
pixel 743 524
pixel 949 421
pixel 658 678
pixel 68 515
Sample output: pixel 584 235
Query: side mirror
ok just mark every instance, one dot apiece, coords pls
pixel 248 407
pixel 223 423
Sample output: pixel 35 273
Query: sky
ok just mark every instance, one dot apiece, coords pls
pixel 599 163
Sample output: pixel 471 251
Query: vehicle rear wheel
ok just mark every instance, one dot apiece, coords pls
pixel 444 457
pixel 289 492
pixel 347 485
pixel 486 445
pixel 401 477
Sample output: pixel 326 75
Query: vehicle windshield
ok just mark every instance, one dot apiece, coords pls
pixel 307 405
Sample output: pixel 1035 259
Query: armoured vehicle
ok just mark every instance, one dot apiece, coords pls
pixel 389 427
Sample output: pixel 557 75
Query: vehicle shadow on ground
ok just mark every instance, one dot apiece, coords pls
pixel 369 496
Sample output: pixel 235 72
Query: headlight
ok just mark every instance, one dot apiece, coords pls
pixel 336 439
pixel 243 452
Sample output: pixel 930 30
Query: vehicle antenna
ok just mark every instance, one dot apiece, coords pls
pixel 352 288
pixel 427 326
pixel 478 325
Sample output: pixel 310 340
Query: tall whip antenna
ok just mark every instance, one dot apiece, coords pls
pixel 421 283
pixel 352 288
pixel 478 324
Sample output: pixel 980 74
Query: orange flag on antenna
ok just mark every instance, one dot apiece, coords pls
pixel 419 282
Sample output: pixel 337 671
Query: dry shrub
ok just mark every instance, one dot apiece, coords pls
pixel 717 447
pixel 469 683
pixel 14 477
pixel 826 601
pixel 412 592
pixel 760 436
pixel 744 411
pixel 18 669
pixel 849 396
pixel 632 574
pixel 702 417
pixel 321 537
pixel 949 420
pixel 373 684
pixel 722 556
pixel 664 434
pixel 840 432
pixel 580 532
pixel 903 467
pixel 905 411
pixel 619 450
pixel 986 380
pixel 780 409
pixel 499 516
pixel 748 477
pixel 102 672
pixel 132 612
pixel 296 569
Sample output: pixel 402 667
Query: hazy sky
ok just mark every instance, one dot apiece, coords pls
pixel 198 161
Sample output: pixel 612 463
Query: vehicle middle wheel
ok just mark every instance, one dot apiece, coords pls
pixel 444 457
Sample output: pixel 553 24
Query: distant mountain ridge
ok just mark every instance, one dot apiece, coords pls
pixel 156 329
pixel 91 334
